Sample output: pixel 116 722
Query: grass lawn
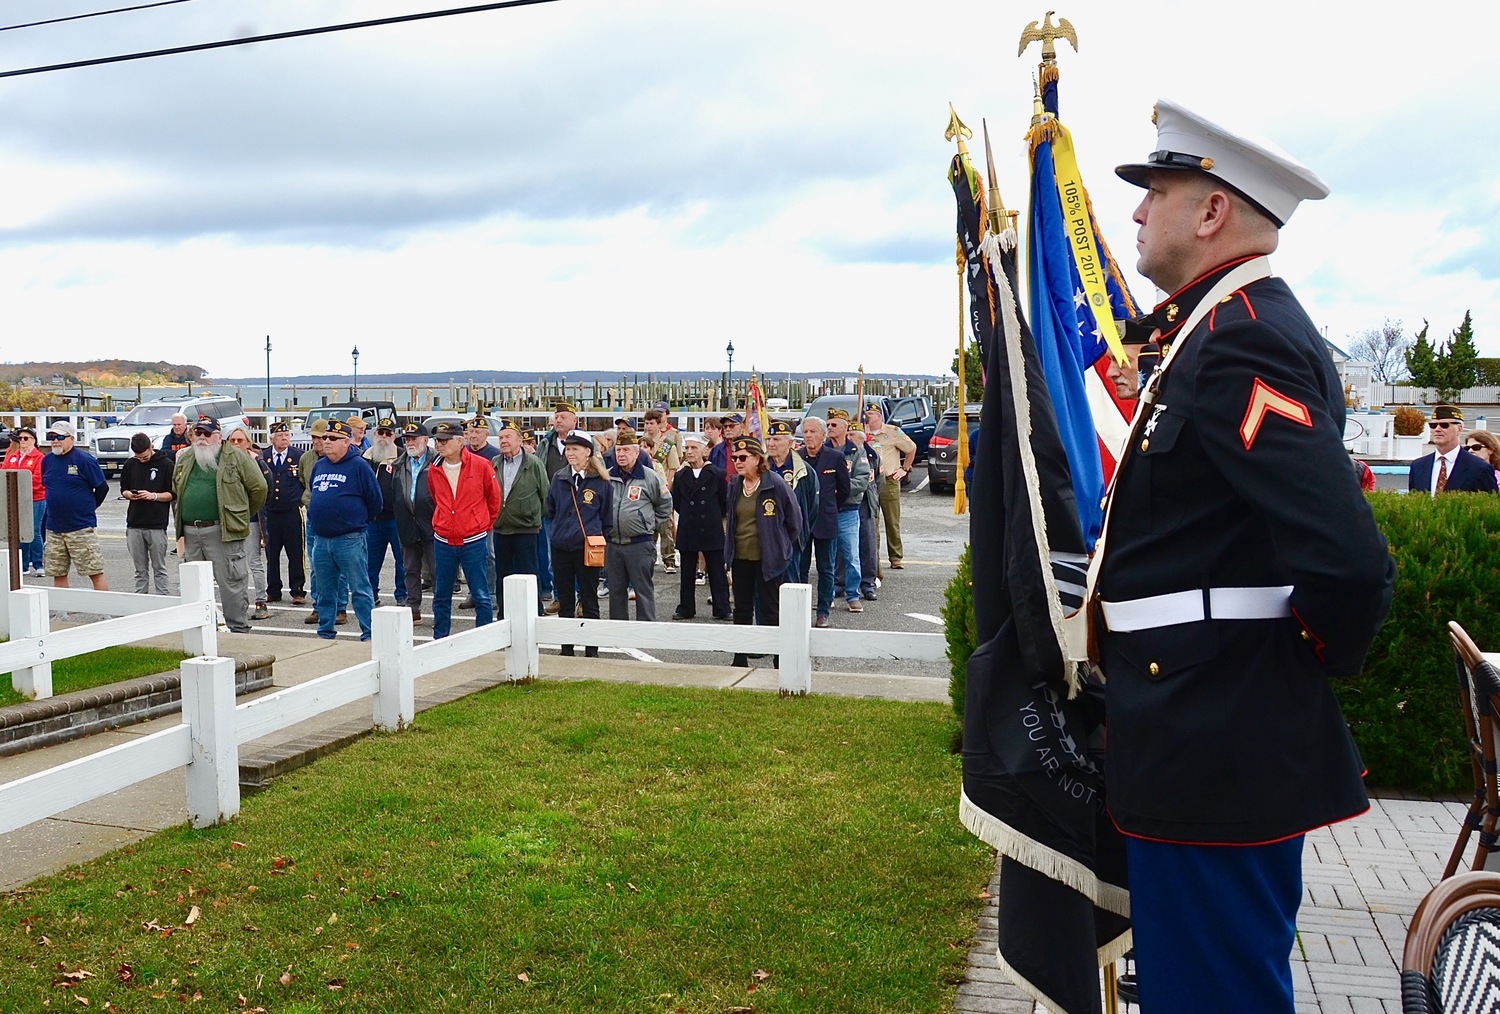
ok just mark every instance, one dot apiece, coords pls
pixel 98 668
pixel 553 847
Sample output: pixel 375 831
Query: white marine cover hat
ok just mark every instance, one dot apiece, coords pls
pixel 1262 173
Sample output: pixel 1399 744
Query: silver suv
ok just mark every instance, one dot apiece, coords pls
pixel 154 418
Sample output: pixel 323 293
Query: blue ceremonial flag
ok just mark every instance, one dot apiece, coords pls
pixel 1077 294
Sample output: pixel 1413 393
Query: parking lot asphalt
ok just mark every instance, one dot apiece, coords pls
pixel 909 599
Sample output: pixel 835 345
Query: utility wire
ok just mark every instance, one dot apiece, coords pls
pixel 299 33
pixel 92 14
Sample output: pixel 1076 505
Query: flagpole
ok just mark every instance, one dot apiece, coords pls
pixel 957 131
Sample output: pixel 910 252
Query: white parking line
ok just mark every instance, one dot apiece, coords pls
pixel 919 486
pixel 926 616
pixel 639 655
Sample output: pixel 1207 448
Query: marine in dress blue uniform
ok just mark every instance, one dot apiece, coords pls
pixel 1241 573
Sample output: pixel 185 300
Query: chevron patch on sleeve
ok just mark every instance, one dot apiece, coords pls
pixel 1266 400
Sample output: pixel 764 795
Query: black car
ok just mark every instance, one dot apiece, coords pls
pixel 942 450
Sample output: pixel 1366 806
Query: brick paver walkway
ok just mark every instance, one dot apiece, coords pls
pixel 1362 880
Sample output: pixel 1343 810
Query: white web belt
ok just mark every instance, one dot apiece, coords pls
pixel 1198 604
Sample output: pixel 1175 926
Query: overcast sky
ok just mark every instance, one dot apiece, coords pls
pixel 632 184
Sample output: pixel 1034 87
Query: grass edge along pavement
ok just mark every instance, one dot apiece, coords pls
pixel 554 846
pixel 99 668
pixel 1403 707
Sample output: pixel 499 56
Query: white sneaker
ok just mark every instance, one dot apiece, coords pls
pixel 701 579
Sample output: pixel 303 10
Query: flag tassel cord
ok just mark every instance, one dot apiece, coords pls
pixel 960 487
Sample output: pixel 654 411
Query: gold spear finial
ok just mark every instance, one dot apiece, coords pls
pixel 957 131
pixel 998 214
pixel 1038 108
pixel 1046 35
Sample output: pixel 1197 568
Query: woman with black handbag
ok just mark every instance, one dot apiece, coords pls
pixel 578 512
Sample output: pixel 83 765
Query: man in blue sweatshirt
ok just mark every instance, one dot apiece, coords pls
pixel 75 488
pixel 344 498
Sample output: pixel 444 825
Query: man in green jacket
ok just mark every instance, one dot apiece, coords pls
pixel 523 504
pixel 217 488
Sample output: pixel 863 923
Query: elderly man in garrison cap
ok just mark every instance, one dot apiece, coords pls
pixel 1241 574
pixel 1451 468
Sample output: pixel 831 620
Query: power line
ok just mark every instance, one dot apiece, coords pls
pixel 299 33
pixel 92 14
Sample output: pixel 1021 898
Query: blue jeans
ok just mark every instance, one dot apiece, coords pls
pixel 848 552
pixel 827 552
pixel 473 557
pixel 342 561
pixel 341 594
pixel 380 535
pixel 33 550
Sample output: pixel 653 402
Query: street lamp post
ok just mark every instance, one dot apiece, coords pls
pixel 729 379
pixel 268 383
pixel 354 391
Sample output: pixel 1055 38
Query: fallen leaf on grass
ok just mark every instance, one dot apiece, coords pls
pixel 633 888
pixel 192 916
pixel 125 973
pixel 523 977
pixel 44 941
pixel 286 978
pixel 760 975
pixel 74 977
pixel 82 999
pixel 336 984
pixel 740 1010
pixel 237 845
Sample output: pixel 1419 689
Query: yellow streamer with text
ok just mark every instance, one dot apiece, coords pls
pixel 1087 253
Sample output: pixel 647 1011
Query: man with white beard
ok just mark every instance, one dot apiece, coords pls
pixel 75 488
pixel 217 488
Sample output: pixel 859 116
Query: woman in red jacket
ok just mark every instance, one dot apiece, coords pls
pixel 23 454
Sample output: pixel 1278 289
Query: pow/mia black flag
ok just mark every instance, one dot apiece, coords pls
pixel 1033 785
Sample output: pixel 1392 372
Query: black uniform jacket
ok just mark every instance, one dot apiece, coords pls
pixel 700 505
pixel 413 501
pixel 283 484
pixel 833 489
pixel 1227 731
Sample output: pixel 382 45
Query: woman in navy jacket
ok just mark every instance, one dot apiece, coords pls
pixel 577 505
pixel 764 523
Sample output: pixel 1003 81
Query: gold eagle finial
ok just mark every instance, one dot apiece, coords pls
pixel 957 131
pixel 1046 35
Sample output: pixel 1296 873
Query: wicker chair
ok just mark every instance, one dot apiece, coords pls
pixel 1451 962
pixel 1479 697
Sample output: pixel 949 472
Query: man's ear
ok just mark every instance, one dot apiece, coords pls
pixel 1213 213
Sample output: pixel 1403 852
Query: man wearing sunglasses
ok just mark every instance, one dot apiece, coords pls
pixel 1449 468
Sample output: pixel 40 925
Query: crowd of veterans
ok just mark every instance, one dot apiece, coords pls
pixel 592 515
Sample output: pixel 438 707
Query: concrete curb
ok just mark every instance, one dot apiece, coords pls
pixel 70 716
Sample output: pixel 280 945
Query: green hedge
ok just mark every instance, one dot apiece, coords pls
pixel 958 625
pixel 1404 707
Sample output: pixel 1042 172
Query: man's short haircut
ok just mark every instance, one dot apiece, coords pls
pixel 178 415
pixel 655 415
pixel 139 443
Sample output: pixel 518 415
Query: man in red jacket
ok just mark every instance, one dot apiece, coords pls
pixel 465 504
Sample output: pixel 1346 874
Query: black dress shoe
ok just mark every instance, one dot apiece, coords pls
pixel 740 662
pixel 467 603
pixel 1128 991
pixel 680 615
pixel 870 596
pixel 567 650
pixel 591 653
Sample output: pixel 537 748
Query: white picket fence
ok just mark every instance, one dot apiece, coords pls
pixel 34 645
pixel 207 741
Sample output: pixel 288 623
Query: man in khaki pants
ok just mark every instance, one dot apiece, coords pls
pixel 897 454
